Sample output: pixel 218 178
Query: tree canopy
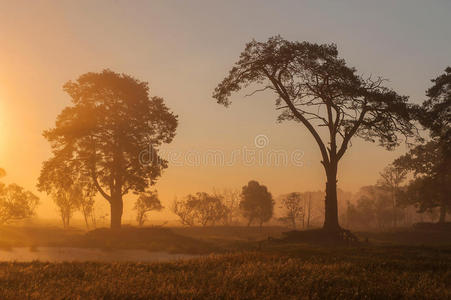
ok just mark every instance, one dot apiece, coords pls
pixel 146 202
pixel 16 203
pixel 256 203
pixel 431 162
pixel 112 119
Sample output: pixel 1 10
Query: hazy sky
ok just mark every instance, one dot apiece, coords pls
pixel 184 49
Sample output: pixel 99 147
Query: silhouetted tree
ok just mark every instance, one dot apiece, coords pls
pixel 293 206
pixel 201 208
pixel 391 179
pixel 16 203
pixel 106 131
pixel 146 202
pixel 87 209
pixel 316 88
pixel 435 113
pixel 184 211
pixel 431 162
pixel 209 209
pixel 431 186
pixel 231 201
pixel 256 203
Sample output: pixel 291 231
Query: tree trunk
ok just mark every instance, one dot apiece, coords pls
pixel 331 203
pixel 116 212
pixel 442 218
pixel 309 205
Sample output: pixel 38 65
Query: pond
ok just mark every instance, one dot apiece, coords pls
pixel 59 254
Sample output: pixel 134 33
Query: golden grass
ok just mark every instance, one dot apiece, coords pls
pixel 305 273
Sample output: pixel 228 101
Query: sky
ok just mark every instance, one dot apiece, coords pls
pixel 184 49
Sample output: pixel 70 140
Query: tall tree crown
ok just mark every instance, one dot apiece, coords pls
pixel 111 120
pixel 315 87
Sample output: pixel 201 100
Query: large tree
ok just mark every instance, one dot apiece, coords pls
pixel 315 88
pixel 431 162
pixel 103 134
pixel 435 113
pixel 431 186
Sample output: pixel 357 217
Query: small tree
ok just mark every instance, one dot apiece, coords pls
pixel 70 188
pixel 391 179
pixel 16 203
pixel 294 208
pixel 231 201
pixel 184 211
pixel 146 203
pixel 68 202
pixel 256 203
pixel 201 208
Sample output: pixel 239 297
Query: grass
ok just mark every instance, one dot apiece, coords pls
pixel 282 272
pixel 245 264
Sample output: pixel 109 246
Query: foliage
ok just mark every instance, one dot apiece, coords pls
pixel 16 203
pixel 201 208
pixel 146 203
pixel 294 208
pixel 231 200
pixel 373 207
pixel 431 162
pixel 391 179
pixel 103 134
pixel 70 189
pixel 431 186
pixel 256 203
pixel 316 88
pixel 435 114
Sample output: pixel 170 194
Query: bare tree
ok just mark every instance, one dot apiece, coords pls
pixel 68 202
pixel 391 179
pixel 184 211
pixel 293 205
pixel 231 201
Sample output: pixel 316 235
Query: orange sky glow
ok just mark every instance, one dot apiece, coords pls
pixel 184 49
